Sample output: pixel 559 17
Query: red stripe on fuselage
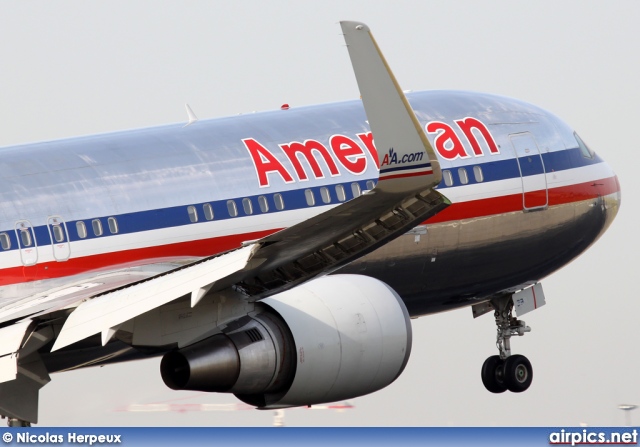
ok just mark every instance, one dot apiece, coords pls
pixel 413 174
pixel 208 247
pixel 513 202
pixel 128 258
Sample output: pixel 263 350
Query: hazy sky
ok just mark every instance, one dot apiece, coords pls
pixel 74 67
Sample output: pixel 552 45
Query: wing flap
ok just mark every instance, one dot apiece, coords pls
pixel 69 292
pixel 11 338
pixel 113 308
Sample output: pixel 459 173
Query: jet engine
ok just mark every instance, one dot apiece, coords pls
pixel 333 338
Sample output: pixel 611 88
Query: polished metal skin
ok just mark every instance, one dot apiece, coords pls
pixel 462 262
pixel 455 263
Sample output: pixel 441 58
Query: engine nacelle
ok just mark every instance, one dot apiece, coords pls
pixel 334 338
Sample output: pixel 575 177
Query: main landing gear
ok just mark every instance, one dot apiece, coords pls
pixel 505 371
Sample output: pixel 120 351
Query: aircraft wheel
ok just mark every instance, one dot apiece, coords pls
pixel 493 374
pixel 518 373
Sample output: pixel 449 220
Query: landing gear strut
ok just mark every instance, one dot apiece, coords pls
pixel 505 371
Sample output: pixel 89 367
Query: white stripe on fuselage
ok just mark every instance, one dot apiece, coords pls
pixel 172 235
pixel 498 188
pixel 287 218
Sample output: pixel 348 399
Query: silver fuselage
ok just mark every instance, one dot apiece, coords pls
pixel 506 227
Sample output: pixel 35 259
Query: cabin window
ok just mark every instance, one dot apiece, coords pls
pixel 370 185
pixel 97 227
pixel 308 194
pixel 586 151
pixel 5 241
pixel 340 193
pixel 208 211
pixel 448 178
pixel 355 190
pixel 113 225
pixel 464 178
pixel 247 206
pixel 58 233
pixel 232 208
pixel 477 174
pixel 81 228
pixel 279 201
pixel 263 204
pixel 324 194
pixel 193 213
pixel 25 236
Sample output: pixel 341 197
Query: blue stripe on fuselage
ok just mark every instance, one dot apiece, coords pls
pixel 508 169
pixel 295 199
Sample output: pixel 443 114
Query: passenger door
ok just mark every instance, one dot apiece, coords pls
pixel 59 238
pixel 532 172
pixel 26 243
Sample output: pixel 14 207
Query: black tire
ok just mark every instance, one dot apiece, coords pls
pixel 518 373
pixel 493 374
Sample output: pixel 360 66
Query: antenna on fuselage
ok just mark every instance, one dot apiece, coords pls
pixel 192 116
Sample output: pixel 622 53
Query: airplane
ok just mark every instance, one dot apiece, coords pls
pixel 279 256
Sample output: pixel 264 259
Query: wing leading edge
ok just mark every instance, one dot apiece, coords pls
pixel 404 197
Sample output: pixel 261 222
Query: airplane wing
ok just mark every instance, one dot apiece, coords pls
pixel 404 197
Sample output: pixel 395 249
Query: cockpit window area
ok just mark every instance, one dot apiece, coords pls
pixel 586 151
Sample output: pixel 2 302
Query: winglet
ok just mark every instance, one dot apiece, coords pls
pixel 407 160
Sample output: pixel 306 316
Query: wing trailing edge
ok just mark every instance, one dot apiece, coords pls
pixel 113 308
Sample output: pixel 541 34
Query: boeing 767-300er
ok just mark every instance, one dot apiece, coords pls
pixel 279 256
